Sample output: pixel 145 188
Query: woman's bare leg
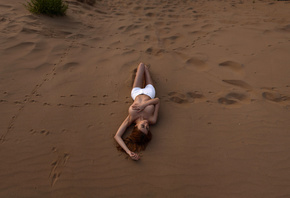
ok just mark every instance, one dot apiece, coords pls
pixel 148 78
pixel 139 78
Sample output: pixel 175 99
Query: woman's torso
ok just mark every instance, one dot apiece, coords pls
pixel 146 113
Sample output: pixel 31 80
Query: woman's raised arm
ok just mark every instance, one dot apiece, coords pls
pixel 118 137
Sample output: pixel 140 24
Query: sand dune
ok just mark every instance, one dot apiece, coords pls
pixel 221 70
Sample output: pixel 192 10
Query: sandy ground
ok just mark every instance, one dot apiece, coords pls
pixel 221 70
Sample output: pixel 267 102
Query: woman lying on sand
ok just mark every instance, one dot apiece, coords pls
pixel 143 111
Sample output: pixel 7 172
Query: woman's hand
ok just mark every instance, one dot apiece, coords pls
pixel 134 156
pixel 138 107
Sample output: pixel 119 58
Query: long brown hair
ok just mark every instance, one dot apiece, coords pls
pixel 136 141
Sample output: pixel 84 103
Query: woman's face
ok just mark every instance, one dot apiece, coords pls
pixel 143 126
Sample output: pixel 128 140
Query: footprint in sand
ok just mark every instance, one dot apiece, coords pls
pixel 43 132
pixel 57 166
pixel 189 97
pixel 177 97
pixel 137 8
pixel 154 52
pixel 188 25
pixel 232 98
pixel 285 29
pixel 194 96
pixel 121 27
pixel 207 26
pixel 18 102
pixel 131 28
pixel 232 65
pixel 147 37
pixel 70 66
pixel 197 63
pixel 148 8
pixel 170 40
pixel 150 14
pixel 275 97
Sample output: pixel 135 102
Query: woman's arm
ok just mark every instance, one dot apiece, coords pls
pixel 153 119
pixel 151 102
pixel 145 104
pixel 118 137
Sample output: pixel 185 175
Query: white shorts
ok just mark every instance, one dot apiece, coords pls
pixel 149 90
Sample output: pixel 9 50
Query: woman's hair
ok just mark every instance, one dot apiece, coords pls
pixel 136 141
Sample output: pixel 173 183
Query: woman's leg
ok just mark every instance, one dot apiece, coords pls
pixel 148 78
pixel 139 78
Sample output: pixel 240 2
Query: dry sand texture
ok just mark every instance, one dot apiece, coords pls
pixel 221 70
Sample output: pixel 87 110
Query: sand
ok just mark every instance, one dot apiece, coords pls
pixel 221 70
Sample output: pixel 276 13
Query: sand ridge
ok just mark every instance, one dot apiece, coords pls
pixel 220 68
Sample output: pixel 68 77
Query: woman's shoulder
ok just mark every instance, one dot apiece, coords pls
pixel 129 120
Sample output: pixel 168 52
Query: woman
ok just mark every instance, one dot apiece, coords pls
pixel 142 112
